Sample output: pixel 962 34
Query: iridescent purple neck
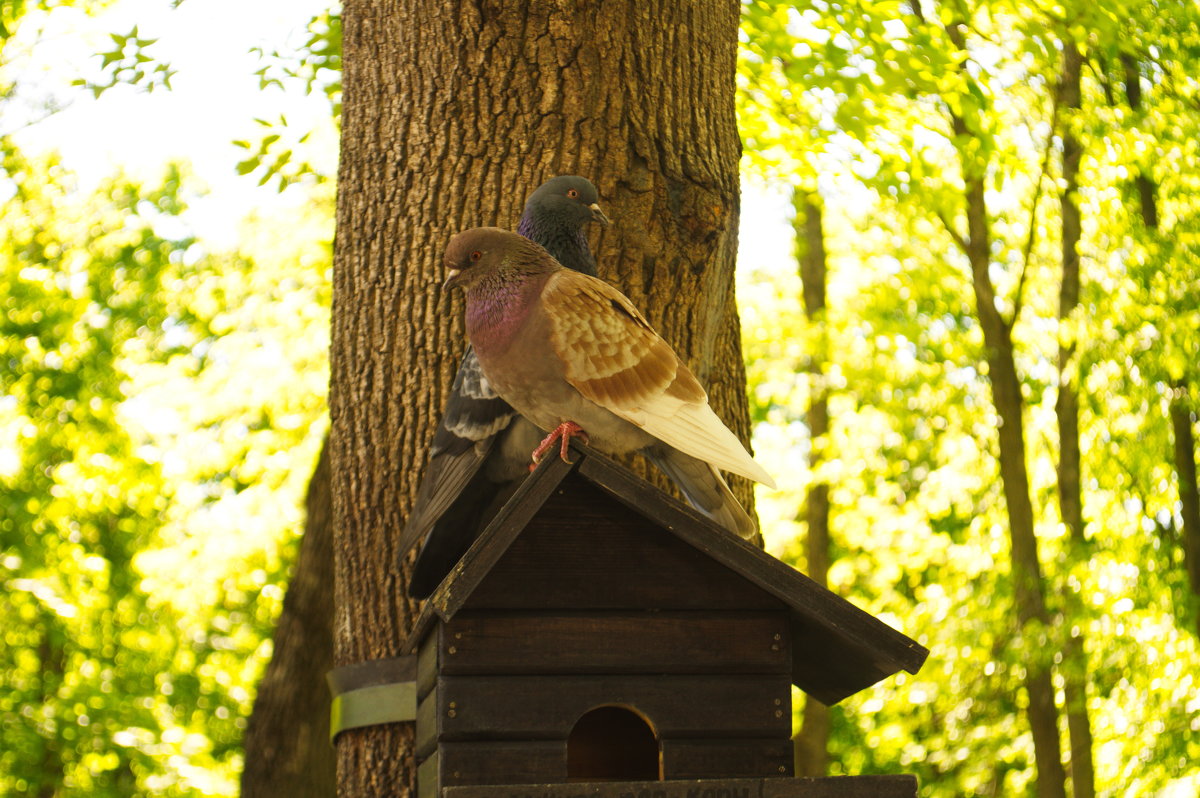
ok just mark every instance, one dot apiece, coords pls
pixel 497 306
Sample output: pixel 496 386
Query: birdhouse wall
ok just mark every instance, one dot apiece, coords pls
pixel 596 621
pixel 585 550
pixel 614 641
pixel 500 692
pixel 593 605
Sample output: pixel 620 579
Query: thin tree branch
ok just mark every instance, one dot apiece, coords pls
pixel 954 234
pixel 1018 298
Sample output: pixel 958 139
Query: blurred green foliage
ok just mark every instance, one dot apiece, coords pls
pixel 151 468
pixel 854 99
pixel 163 401
pixel 312 65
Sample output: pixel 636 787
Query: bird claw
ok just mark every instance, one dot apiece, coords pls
pixel 563 434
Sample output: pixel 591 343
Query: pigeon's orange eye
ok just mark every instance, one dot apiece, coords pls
pixel 572 193
pixel 476 255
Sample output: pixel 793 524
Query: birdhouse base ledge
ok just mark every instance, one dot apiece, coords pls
pixel 903 786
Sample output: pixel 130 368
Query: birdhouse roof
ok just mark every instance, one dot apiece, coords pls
pixel 838 649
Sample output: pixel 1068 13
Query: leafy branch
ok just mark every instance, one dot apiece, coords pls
pixel 128 64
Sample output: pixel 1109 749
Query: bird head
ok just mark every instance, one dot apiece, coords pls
pixel 481 250
pixel 568 197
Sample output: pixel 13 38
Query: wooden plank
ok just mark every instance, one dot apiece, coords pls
pixel 791 586
pixel 426 620
pixel 428 729
pixel 513 517
pixel 842 787
pixel 706 788
pixel 547 707
pixel 562 543
pixel 427 662
pixel 835 787
pixel 849 648
pixel 616 642
pixel 830 664
pixel 491 762
pixel 429 783
pixel 700 759
pixel 583 551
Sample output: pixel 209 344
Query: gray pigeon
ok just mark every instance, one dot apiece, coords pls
pixel 480 452
pixel 574 356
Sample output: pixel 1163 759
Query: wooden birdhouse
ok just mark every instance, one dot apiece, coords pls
pixel 601 638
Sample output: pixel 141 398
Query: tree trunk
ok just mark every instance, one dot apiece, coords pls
pixel 1032 616
pixel 452 114
pixel 287 741
pixel 51 669
pixel 1185 471
pixel 812 741
pixel 1066 408
pixel 1182 429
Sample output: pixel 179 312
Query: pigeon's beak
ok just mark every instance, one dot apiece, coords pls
pixel 451 279
pixel 598 215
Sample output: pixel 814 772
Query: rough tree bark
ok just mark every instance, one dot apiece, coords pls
pixel 287 739
pixel 1181 410
pixel 1066 408
pixel 452 114
pixel 1032 616
pixel 812 741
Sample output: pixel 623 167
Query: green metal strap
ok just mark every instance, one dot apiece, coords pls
pixel 373 692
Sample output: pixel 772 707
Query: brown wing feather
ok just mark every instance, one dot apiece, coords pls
pixel 612 357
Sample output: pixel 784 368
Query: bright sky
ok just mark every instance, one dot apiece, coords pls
pixel 214 98
pixel 213 101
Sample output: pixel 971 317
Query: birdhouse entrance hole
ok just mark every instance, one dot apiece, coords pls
pixel 613 743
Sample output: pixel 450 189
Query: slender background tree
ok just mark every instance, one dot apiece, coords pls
pixel 812 739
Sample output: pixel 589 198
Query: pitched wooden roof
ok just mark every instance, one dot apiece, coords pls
pixel 839 649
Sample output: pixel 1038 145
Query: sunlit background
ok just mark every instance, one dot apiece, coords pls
pixel 165 247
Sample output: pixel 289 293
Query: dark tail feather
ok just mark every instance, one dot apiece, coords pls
pixel 704 489
pixel 456 530
pixel 443 548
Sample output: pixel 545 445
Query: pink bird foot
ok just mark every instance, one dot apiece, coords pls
pixel 562 433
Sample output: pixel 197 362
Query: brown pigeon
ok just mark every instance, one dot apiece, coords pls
pixel 573 355
pixel 480 453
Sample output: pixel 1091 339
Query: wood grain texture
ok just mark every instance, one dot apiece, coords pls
pixel 592 536
pixel 428 660
pixel 547 707
pixel 584 551
pixel 502 762
pixel 629 642
pixel 452 114
pixel 428 730
pixel 700 759
pixel 823 622
pixel 429 771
